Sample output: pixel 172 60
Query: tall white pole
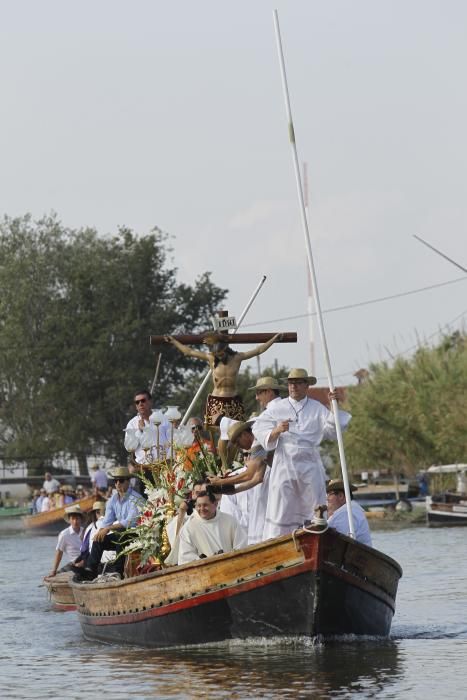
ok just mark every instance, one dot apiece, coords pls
pixel 208 375
pixel 335 408
pixel 311 333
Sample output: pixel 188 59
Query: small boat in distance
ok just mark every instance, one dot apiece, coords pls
pixel 448 508
pixel 51 522
pixel 310 583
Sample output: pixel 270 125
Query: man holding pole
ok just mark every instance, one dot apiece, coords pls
pixel 295 427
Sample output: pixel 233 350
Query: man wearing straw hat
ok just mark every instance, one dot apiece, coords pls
pixel 294 427
pixel 267 389
pixel 69 539
pixel 121 513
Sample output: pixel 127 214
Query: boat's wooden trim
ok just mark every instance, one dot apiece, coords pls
pixel 187 581
pixel 222 592
pixel 256 566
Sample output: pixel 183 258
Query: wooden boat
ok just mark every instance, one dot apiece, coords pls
pixel 60 591
pixel 307 584
pixel 52 521
pixel 448 508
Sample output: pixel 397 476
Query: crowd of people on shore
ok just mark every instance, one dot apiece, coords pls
pixel 53 494
pixel 281 484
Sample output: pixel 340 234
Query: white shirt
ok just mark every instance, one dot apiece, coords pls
pixel 340 521
pixel 164 439
pixel 51 486
pixel 199 536
pixel 69 542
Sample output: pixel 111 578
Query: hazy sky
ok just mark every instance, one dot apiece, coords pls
pixel 149 113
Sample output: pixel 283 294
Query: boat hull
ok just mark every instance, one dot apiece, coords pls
pixel 307 586
pixel 52 522
pixel 449 512
pixel 60 591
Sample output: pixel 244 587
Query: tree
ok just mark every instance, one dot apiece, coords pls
pixel 412 414
pixel 76 310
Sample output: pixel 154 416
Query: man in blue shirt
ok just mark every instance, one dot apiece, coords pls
pixel 121 513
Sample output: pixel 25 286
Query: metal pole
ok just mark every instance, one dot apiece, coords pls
pixel 208 375
pixel 335 408
pixel 154 381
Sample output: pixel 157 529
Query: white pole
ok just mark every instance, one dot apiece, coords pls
pixel 335 408
pixel 310 290
pixel 207 377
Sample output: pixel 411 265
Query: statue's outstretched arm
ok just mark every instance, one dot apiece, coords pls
pixel 186 350
pixel 260 348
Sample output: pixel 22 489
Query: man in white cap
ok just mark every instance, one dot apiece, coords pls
pixel 294 427
pixel 338 516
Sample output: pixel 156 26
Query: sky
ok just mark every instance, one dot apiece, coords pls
pixel 172 115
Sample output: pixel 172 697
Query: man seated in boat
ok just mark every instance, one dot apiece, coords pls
pixel 121 513
pixel 69 540
pixel 209 531
pixel 338 516
pixel 97 517
pixel 185 512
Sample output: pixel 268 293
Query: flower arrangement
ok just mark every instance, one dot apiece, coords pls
pixel 167 483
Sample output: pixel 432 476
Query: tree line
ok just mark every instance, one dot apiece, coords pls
pixel 412 414
pixel 76 310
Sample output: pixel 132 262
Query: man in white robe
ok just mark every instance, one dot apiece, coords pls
pixel 295 427
pixel 338 516
pixel 209 532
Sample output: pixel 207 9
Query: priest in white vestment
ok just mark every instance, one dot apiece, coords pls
pixel 209 532
pixel 295 427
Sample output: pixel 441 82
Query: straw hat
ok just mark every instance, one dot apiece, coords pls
pixel 237 429
pixel 338 485
pixel 266 383
pixel 73 510
pixel 98 505
pixel 299 373
pixel 120 473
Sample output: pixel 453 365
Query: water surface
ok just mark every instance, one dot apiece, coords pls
pixel 43 652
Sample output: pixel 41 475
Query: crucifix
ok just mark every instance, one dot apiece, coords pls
pixel 224 364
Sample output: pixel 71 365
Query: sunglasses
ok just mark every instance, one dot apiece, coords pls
pixel 121 480
pixel 137 401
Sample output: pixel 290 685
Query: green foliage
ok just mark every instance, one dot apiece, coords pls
pixel 76 310
pixel 413 414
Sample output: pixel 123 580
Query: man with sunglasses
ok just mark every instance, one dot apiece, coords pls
pixel 143 405
pixel 121 513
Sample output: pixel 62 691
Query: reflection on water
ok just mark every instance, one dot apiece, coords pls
pixel 41 650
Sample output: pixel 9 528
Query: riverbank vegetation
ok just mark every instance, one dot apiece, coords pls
pixel 413 413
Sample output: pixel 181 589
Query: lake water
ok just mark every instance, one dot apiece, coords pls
pixel 42 653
